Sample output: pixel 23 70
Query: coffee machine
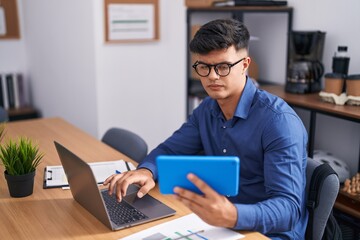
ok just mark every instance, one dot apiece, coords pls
pixel 305 68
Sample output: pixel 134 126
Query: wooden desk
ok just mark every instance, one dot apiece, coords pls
pixel 52 213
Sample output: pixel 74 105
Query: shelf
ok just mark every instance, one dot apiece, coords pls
pixel 243 8
pixel 22 113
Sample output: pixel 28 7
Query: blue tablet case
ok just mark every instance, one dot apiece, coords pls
pixel 220 172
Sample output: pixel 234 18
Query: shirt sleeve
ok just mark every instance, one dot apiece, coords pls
pixel 284 144
pixel 186 141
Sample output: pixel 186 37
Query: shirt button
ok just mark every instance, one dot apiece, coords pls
pixel 223 127
pixel 224 150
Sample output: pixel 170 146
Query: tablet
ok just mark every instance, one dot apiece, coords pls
pixel 219 172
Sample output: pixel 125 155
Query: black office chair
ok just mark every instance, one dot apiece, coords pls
pixel 327 196
pixel 4 117
pixel 126 142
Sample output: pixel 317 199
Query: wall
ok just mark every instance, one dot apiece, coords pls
pixel 141 86
pixel 61 61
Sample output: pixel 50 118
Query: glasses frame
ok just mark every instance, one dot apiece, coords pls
pixel 215 66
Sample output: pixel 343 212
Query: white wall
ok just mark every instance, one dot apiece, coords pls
pixel 141 86
pixel 61 60
pixel 94 85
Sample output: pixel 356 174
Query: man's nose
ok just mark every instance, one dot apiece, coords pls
pixel 213 74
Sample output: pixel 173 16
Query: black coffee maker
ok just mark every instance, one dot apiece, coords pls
pixel 305 68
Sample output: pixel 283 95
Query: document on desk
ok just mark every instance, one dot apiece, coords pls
pixel 54 176
pixel 187 227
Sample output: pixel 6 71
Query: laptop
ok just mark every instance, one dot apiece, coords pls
pixel 129 212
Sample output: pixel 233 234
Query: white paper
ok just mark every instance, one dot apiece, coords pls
pixel 184 228
pixel 131 21
pixel 2 22
pixel 55 175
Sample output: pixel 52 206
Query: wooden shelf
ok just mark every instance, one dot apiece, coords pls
pixel 243 8
pixel 23 113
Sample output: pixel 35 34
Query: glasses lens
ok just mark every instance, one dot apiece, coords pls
pixel 222 69
pixel 202 69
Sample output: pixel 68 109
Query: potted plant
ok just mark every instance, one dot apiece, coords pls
pixel 20 159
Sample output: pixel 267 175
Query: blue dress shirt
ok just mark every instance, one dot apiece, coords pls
pixel 270 140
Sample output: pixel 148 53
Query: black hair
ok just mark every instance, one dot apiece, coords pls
pixel 220 34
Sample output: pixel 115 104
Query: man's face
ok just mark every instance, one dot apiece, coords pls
pixel 225 87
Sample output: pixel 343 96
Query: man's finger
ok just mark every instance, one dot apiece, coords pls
pixel 201 185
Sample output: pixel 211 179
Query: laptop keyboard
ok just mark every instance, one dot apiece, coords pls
pixel 121 212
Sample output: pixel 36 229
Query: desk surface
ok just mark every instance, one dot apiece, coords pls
pixel 52 213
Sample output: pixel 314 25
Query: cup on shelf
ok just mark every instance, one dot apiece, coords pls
pixel 334 83
pixel 353 85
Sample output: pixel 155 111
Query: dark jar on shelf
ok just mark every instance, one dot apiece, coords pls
pixel 341 60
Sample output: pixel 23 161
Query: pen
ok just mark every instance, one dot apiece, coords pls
pixel 127 166
pixel 190 234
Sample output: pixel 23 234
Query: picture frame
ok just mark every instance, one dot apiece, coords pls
pixel 9 20
pixel 131 21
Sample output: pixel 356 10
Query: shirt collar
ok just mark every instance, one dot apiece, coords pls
pixel 246 99
pixel 243 108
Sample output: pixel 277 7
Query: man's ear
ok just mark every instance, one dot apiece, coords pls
pixel 246 63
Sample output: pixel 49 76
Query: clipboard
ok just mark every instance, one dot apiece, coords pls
pixel 55 177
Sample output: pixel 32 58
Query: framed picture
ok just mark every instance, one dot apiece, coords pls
pixel 131 20
pixel 9 21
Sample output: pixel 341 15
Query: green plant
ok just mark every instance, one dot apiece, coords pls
pixel 20 157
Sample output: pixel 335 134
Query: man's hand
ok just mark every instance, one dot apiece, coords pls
pixel 119 183
pixel 211 207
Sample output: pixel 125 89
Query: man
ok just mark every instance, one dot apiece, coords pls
pixel 237 119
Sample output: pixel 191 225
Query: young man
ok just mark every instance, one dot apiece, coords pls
pixel 237 119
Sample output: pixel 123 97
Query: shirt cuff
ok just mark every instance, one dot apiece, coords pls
pixel 151 167
pixel 246 215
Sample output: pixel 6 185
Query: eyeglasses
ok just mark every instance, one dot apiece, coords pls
pixel 221 69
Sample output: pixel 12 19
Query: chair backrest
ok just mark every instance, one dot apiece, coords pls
pixel 4 117
pixel 327 194
pixel 126 142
